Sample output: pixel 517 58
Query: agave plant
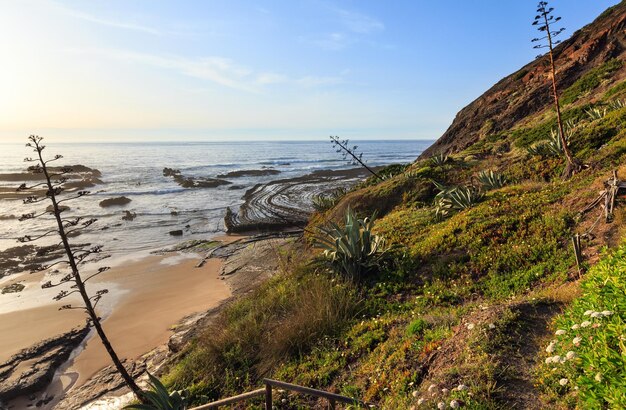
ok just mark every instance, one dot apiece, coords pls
pixel 617 105
pixel 158 398
pixel 325 201
pixel 596 113
pixel 553 146
pixel 491 180
pixel 455 198
pixel 351 248
pixel 439 160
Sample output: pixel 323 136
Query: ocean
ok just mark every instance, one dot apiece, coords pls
pixel 135 170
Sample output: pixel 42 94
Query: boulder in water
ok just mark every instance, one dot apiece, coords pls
pixel 118 201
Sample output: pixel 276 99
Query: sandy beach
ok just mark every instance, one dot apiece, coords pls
pixel 151 295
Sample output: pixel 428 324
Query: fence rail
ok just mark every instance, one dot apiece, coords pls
pixel 332 398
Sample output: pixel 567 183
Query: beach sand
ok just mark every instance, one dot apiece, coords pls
pixel 151 296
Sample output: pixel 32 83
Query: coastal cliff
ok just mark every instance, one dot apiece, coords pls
pixel 494 289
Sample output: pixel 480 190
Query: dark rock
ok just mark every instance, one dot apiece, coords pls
pixel 118 201
pixel 62 208
pixel 14 288
pixel 234 187
pixel 45 356
pixel 169 172
pixel 249 173
pixel 174 213
pixel 190 182
pixel 105 381
pixel 129 216
pixel 178 232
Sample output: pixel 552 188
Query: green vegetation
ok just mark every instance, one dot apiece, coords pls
pixel 158 398
pixel 439 160
pixel 455 198
pixel 617 90
pixel 454 304
pixel 286 318
pixel 351 249
pixel 491 180
pixel 589 81
pixel 324 202
pixel 584 364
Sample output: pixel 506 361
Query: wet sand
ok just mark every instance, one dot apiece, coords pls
pixel 160 295
pixel 151 295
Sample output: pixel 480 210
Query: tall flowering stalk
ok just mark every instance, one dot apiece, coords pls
pixel 77 256
pixel 544 20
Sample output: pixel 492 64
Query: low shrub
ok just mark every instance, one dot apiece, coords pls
pixel 585 364
pixel 491 180
pixel 351 248
pixel 590 81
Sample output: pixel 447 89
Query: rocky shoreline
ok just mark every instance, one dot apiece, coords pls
pixel 287 203
pixel 247 262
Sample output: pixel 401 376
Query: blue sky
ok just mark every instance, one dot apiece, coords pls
pixel 241 70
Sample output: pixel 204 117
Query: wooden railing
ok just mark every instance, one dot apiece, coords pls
pixel 332 398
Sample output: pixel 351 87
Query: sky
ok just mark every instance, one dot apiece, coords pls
pixel 137 70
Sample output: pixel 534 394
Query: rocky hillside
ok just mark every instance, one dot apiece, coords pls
pixel 527 91
pixel 480 300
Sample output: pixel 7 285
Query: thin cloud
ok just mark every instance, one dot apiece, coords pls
pixel 352 28
pixel 219 70
pixel 359 23
pixel 81 15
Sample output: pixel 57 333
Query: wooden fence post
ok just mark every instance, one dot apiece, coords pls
pixel 577 253
pixel 268 396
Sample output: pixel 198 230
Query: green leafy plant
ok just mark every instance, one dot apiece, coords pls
pixel 456 198
pixel 439 160
pixel 158 398
pixel 584 364
pixel 351 248
pixel 596 113
pixel 491 180
pixel 617 105
pixel 553 146
pixel 325 201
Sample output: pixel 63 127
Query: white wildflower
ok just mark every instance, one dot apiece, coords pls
pixel 563 382
pixel 562 359
pixel 556 358
pixel 462 387
pixel 586 323
pixel 607 313
pixel 415 393
pixel 576 340
pixel 470 326
pixel 570 355
pixel 492 326
pixel 455 404
pixel 420 401
pixel 576 326
pixel 596 315
pixel 445 391
pixel 560 332
pixel 432 388
pixel 549 360
pixel 441 405
pixel 598 377
pixel 550 347
pixel 588 312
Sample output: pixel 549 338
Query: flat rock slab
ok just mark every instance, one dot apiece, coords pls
pixel 31 369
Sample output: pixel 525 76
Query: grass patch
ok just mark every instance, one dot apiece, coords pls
pixel 590 81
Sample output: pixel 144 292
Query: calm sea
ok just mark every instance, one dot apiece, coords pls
pixel 134 170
